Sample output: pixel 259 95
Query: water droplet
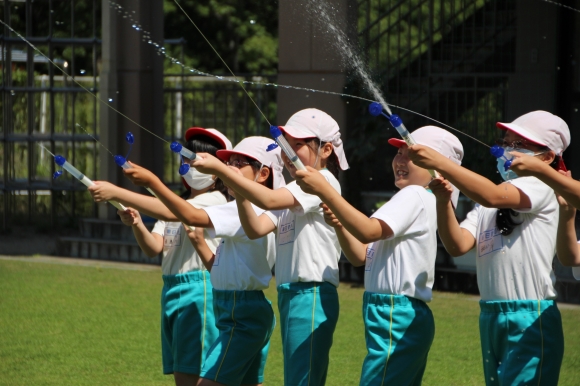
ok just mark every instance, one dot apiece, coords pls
pixel 12 92
pixel 500 363
pixel 544 38
pixel 558 68
pixel 323 79
pixel 306 95
pixel 82 72
pixel 252 21
pixel 149 42
pixel 575 110
pixel 487 360
pixel 110 99
pixel 492 378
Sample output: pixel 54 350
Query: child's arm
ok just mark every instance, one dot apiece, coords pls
pixel 254 226
pixel 258 194
pixel 473 185
pixel 525 165
pixel 457 241
pixel 358 224
pixel 105 191
pixel 150 243
pixel 354 250
pixel 567 247
pixel 197 239
pixel 184 212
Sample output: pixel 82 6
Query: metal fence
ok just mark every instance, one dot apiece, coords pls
pixel 446 59
pixel 42 106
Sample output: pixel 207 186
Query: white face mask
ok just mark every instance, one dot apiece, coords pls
pixel 197 180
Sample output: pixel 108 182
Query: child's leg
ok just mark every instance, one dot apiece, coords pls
pixel 529 342
pixel 244 320
pixel 255 373
pixel 308 316
pixel 399 331
pixel 182 379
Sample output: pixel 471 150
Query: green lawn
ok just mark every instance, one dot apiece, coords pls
pixel 62 324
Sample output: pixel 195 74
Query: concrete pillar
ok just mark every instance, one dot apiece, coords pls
pixel 308 58
pixel 131 81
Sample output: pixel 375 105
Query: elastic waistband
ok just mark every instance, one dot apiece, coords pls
pixel 188 277
pixel 515 305
pixel 238 295
pixel 389 299
pixel 307 287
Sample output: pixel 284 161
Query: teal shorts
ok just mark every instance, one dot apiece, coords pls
pixel 245 320
pixel 399 331
pixel 522 342
pixel 187 322
pixel 308 316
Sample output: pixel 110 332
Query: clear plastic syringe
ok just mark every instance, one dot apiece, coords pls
pixel 122 162
pixel 61 161
pixel 285 146
pixel 376 109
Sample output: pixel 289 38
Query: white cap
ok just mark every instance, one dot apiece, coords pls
pixel 440 140
pixel 192 132
pixel 542 128
pixel 256 148
pixel 314 123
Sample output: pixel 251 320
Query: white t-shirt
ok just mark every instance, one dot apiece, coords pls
pixel 308 248
pixel 240 263
pixel 404 264
pixel 179 255
pixel 518 266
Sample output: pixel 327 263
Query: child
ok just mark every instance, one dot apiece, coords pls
pixel 187 320
pixel 514 229
pixel 241 269
pixel 308 250
pixel 399 261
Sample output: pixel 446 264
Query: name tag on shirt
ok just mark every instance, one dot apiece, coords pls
pixel 490 241
pixel 369 259
pixel 171 237
pixel 216 260
pixel 286 233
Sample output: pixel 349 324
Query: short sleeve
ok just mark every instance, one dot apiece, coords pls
pixel 539 193
pixel 159 228
pixel 225 220
pixel 470 222
pixel 401 212
pixel 310 202
pixel 273 215
pixel 576 272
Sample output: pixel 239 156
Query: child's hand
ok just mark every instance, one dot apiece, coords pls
pixel 442 189
pixel 103 191
pixel 207 163
pixel 329 217
pixel 130 217
pixel 196 236
pixel 139 175
pixel 310 180
pixel 424 157
pixel 526 165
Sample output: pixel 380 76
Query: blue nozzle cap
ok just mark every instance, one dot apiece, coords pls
pixel 271 146
pixel 175 147
pixel 57 174
pixel 396 121
pixel 275 131
pixel 59 159
pixel 120 160
pixel 508 164
pixel 496 151
pixel 183 169
pixel 375 109
pixel 130 138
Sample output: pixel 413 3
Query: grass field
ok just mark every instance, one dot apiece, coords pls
pixel 76 325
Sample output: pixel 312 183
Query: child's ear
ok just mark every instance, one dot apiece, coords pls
pixel 326 150
pixel 548 157
pixel 264 174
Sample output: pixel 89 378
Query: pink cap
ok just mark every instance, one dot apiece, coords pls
pixel 256 148
pixel 314 123
pixel 542 128
pixel 211 133
pixel 440 140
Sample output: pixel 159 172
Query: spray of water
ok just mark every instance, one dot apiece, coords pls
pixel 325 16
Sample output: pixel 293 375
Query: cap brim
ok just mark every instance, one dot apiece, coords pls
pixel 225 155
pixel 396 142
pixel 296 132
pixel 200 131
pixel 520 131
